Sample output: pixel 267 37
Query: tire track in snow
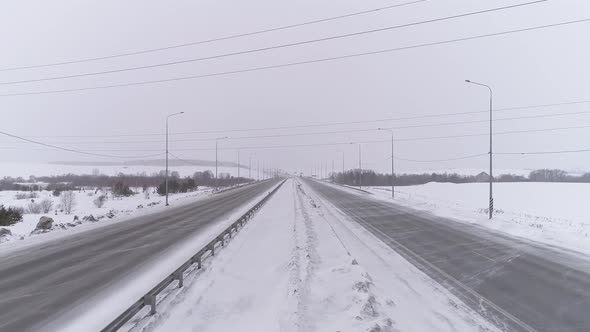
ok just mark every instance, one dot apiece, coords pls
pixel 364 307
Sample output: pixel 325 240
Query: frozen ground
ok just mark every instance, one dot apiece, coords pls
pixel 114 209
pixel 300 265
pixel 552 213
pixel 40 169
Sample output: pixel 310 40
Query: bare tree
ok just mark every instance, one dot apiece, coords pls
pixel 33 208
pixel 68 201
pixel 46 205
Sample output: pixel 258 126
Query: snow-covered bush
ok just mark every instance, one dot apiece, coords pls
pixel 99 201
pixel 121 189
pixel 20 196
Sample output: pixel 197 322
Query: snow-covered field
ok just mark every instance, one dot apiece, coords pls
pixel 466 171
pixel 300 265
pixel 44 169
pixel 114 209
pixel 552 213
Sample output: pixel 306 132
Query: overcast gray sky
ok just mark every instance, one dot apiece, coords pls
pixel 529 68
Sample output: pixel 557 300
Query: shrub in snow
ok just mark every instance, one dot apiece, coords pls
pixel 19 209
pixel 99 201
pixel 9 216
pixel 20 196
pixel 121 189
pixel 56 193
pixel 68 201
pixel 46 205
pixel 33 208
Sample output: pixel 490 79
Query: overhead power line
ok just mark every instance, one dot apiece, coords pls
pixel 207 41
pixel 359 142
pixel 184 161
pixel 326 132
pixel 77 151
pixel 292 64
pixel 487 134
pixel 264 49
pixel 441 160
pixel 543 152
pixel 331 123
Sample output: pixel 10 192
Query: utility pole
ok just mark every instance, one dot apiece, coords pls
pixel 216 160
pixel 392 161
pixel 360 169
pixel 333 171
pixel 250 167
pixel 167 117
pixel 258 168
pixel 238 167
pixel 491 198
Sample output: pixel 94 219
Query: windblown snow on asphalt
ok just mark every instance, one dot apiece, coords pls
pixel 551 213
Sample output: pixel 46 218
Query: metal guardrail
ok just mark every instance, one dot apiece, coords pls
pixel 149 299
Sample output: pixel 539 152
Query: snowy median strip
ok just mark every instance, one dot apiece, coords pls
pixel 301 266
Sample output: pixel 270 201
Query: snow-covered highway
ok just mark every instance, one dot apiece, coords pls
pixel 299 266
pixel 517 284
pixel 73 275
pixel 317 257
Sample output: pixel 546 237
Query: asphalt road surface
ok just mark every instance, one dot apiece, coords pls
pixel 516 284
pixel 48 279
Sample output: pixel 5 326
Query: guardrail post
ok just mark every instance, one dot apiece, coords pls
pixel 230 230
pixel 223 240
pixel 180 277
pixel 212 248
pixel 150 300
pixel 199 262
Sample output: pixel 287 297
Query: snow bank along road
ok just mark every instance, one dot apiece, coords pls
pixel 518 285
pixel 42 281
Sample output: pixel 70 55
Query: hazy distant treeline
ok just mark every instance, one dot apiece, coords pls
pixel 75 181
pixel 371 178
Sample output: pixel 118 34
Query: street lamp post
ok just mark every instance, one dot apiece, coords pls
pixel 167 117
pixel 491 201
pixel 216 159
pixel 392 161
